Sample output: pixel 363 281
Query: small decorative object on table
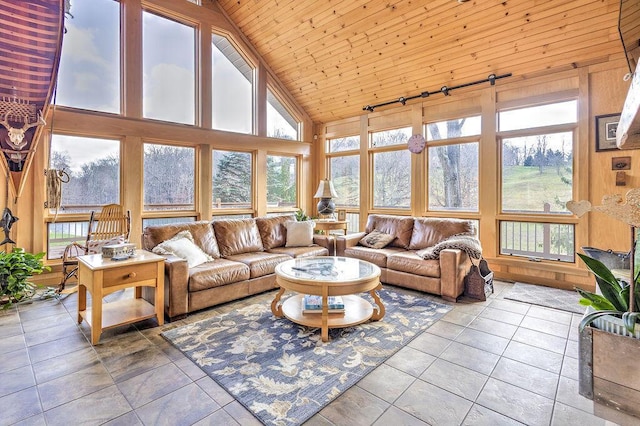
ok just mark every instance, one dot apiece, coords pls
pixel 478 284
pixel 119 251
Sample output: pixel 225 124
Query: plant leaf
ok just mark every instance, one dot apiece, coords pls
pixel 607 282
pixel 629 319
pixel 589 318
pixel 598 302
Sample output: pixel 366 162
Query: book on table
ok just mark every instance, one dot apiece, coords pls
pixel 313 304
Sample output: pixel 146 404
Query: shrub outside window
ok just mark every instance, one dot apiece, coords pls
pixel 168 177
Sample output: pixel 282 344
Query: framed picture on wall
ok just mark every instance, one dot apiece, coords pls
pixel 342 214
pixel 606 127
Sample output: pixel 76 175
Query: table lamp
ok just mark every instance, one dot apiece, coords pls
pixel 325 192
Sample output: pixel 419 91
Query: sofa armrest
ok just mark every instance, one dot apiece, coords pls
pixel 176 286
pixel 325 241
pixel 345 241
pixel 454 265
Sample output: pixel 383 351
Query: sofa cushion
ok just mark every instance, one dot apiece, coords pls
pixel 411 263
pixel 182 245
pixel 260 263
pixel 376 256
pixel 237 236
pixel 376 239
pixel 272 230
pixel 314 250
pixel 299 234
pixel 201 231
pixel 399 226
pixel 428 231
pixel 216 274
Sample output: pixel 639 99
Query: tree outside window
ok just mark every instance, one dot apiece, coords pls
pixel 232 177
pixel 281 181
pixel 168 177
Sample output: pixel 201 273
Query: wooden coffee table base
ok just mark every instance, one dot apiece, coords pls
pixel 356 309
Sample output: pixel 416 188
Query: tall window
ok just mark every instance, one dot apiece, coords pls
pixel 280 122
pixel 89 75
pixel 391 169
pixel 232 177
pixel 344 167
pixel 282 184
pixel 168 66
pixel 537 179
pixel 232 88
pixel 453 168
pixel 93 166
pixel 168 177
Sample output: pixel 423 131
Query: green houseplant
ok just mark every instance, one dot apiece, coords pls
pixel 16 267
pixel 615 299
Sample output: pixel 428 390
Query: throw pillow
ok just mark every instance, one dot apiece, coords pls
pixel 182 245
pixel 376 239
pixel 299 234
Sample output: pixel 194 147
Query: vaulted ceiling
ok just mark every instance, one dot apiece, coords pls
pixel 336 56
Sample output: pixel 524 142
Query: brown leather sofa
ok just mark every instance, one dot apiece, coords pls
pixel 245 253
pixel 399 262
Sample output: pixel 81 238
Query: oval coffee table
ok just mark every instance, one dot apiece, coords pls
pixel 328 276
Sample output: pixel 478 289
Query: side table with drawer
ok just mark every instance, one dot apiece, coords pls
pixel 102 276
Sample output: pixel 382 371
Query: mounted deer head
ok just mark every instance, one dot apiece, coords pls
pixel 16 136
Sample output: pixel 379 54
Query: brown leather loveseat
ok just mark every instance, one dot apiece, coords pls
pixel 402 259
pixel 243 253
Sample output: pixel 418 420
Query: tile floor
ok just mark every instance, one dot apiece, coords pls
pixel 497 362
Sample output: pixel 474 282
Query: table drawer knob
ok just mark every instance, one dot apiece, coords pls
pixel 131 275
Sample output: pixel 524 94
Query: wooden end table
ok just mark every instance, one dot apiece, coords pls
pixel 329 225
pixel 328 276
pixel 102 276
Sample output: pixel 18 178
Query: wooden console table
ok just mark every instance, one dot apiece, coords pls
pixel 329 225
pixel 101 276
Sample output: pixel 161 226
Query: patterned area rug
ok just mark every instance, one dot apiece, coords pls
pixel 282 372
pixel 565 300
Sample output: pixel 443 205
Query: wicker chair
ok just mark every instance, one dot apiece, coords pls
pixel 111 226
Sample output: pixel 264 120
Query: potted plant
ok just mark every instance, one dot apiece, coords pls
pixel 16 267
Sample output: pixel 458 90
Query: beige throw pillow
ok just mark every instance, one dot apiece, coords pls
pixel 300 234
pixel 182 245
pixel 376 239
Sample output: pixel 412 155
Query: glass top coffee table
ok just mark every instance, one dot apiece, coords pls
pixel 328 276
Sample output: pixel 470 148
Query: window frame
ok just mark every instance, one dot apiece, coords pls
pixel 371 152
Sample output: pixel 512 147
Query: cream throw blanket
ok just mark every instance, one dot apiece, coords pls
pixel 467 243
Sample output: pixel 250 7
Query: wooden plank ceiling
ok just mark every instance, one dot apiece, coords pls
pixel 336 56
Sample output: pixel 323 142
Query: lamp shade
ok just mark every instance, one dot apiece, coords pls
pixel 325 190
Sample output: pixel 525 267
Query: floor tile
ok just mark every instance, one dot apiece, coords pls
pixel 496 328
pixel 565 415
pixel 127 419
pixel 433 405
pixel 15 380
pixel 241 414
pixel 12 344
pixel 459 317
pixel 75 385
pixel 568 394
pixel 215 391
pixel 455 379
pixel 219 417
pixel 445 329
pixel 397 417
pixel 481 416
pixel 64 364
pixel 538 357
pixel 546 326
pixel 570 368
pixel 571 349
pixel 41 310
pixel 527 377
pixel 37 420
pixel 411 361
pixel 123 366
pixel 386 382
pixel 362 407
pixel 56 348
pixel 153 384
pixel 555 315
pixel 13 360
pixel 430 343
pixel 481 340
pixel 519 404
pixel 58 331
pixel 106 404
pixel 502 315
pixel 7 330
pixel 20 405
pixel 540 340
pixel 472 358
pixel 186 405
pixel 510 306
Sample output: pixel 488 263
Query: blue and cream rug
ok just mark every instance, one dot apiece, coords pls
pixel 282 372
